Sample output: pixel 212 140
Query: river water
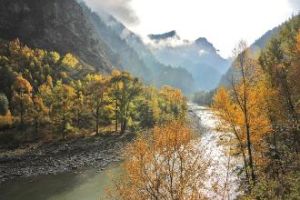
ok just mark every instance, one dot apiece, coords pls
pixel 91 184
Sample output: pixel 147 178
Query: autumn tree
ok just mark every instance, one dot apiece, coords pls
pixel 229 115
pixel 78 101
pixel 147 108
pixel 21 98
pixel 124 90
pixel 62 107
pixel 244 110
pixel 38 112
pixel 241 94
pixel 280 60
pixel 97 96
pixel 173 104
pixel 165 166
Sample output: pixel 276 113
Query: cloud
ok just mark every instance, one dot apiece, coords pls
pixel 118 8
pixel 295 4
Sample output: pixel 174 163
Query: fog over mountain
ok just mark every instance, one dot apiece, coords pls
pixel 99 41
pixel 199 57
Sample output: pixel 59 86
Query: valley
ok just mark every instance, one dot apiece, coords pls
pixel 90 182
pixel 149 100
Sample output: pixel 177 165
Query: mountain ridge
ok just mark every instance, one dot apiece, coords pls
pixel 46 25
pixel 67 26
pixel 198 57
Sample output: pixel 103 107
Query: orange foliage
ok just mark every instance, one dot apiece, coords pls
pixel 164 166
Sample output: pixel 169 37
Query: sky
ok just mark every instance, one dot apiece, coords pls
pixel 222 22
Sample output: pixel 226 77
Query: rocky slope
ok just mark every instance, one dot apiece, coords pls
pixel 59 25
pixel 97 39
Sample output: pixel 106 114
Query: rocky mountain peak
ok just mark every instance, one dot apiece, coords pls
pixel 203 43
pixel 164 36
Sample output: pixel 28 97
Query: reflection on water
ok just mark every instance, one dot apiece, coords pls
pixel 87 185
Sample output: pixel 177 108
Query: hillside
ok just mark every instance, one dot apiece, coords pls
pixel 47 25
pixel 198 57
pixel 70 27
pixel 153 71
pixel 256 47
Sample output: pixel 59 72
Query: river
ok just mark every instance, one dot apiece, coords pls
pixel 91 184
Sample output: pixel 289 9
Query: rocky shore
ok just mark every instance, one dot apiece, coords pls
pixel 62 156
pixel 71 155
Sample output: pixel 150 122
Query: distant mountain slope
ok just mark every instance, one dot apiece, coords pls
pixel 264 39
pixel 129 60
pixel 199 57
pixel 152 71
pixel 97 39
pixel 255 47
pixel 59 25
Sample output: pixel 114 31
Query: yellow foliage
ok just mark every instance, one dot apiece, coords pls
pixel 164 166
pixel 70 61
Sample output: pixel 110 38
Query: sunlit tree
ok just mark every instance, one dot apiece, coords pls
pixel 165 166
pixel 21 98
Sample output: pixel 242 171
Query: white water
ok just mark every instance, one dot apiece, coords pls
pixel 221 169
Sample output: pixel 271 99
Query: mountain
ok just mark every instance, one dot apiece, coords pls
pixel 198 57
pixel 128 58
pixel 264 39
pixel 153 71
pixel 164 36
pixel 259 44
pixel 97 39
pixel 59 25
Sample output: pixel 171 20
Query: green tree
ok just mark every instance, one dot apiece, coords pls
pixel 38 112
pixel 62 107
pixel 97 97
pixel 78 101
pixel 124 91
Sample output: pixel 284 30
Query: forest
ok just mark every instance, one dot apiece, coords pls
pixel 92 110
pixel 48 96
pixel 261 107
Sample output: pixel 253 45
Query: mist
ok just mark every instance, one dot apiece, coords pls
pixel 295 4
pixel 118 8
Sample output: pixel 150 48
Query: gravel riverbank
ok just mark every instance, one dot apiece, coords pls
pixel 62 156
pixel 65 156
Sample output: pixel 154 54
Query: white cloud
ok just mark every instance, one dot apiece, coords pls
pixel 295 4
pixel 118 8
pixel 222 22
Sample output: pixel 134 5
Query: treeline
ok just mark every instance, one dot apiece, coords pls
pixel 203 97
pixel 42 92
pixel 261 108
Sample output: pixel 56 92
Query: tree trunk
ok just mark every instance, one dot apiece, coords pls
pixel 250 152
pixel 21 113
pixel 97 121
pixel 78 118
pixel 245 162
pixel 36 126
pixel 123 127
pixel 116 113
